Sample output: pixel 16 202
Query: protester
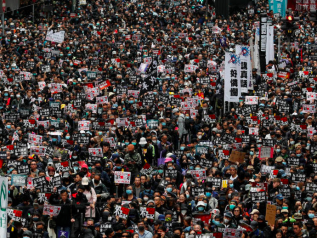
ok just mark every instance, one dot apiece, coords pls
pixel 158 119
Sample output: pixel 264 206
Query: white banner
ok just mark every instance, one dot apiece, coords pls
pixel 55 37
pixel 256 56
pixel 3 206
pixel 232 83
pixel 270 44
pixel 245 67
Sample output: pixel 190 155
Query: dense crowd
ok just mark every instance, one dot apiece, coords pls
pixel 109 133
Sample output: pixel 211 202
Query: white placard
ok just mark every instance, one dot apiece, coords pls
pixel 122 177
pixel 55 37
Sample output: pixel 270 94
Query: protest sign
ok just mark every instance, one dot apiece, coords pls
pixel 102 100
pixel 29 184
pixel 51 210
pixel 198 174
pixel 147 169
pixel 95 152
pixel 147 212
pixel 23 169
pixel 38 150
pixel 121 212
pixel 270 214
pixel 18 179
pixel 265 169
pixel 201 149
pixel 172 173
pixel 55 37
pixel 122 177
pixel 251 100
pixel 258 196
pixel 266 152
pixel 39 182
pixel 237 156
pixel 35 139
pixel 83 125
pixel 15 215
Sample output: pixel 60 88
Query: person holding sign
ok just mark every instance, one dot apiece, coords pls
pixel 63 219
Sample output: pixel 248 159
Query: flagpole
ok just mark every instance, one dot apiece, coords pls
pixel 2 24
pixel 3 10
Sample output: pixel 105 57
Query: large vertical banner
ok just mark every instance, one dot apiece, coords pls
pixel 269 44
pixel 3 206
pixel 262 42
pixel 232 83
pixel 271 4
pixel 278 6
pixel 256 53
pixel 244 53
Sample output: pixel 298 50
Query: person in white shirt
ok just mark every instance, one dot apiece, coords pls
pixel 234 172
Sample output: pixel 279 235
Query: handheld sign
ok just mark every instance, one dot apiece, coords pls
pixel 122 177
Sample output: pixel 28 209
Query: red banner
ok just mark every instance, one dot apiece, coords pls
pixel 302 5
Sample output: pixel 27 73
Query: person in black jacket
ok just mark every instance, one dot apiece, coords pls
pixel 80 202
pixel 205 110
pixel 256 79
pixel 63 219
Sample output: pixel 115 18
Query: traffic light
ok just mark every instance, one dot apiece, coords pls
pixel 289 25
pixel 290 18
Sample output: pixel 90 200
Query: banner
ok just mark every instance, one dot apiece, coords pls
pixel 269 44
pixel 271 4
pixel 302 5
pixel 3 206
pixel 232 84
pixel 245 67
pixel 256 53
pixel 278 6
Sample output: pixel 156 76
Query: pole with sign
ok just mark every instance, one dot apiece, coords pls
pixel 3 11
pixel 3 206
